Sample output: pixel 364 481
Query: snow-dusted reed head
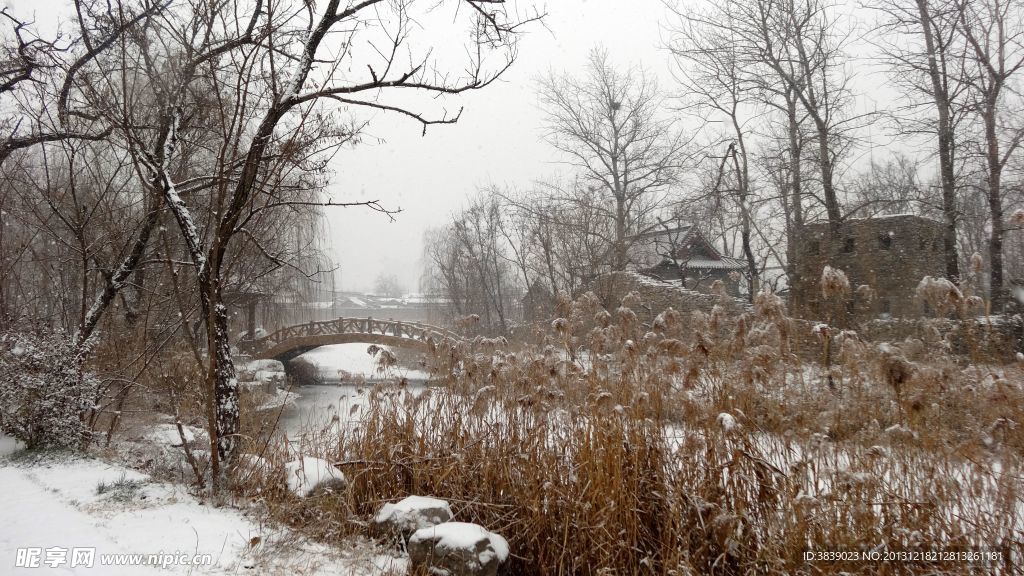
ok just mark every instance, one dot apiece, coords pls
pixel 563 303
pixel 834 282
pixel 865 292
pixel 667 320
pixel 767 304
pixel 977 264
pixel 468 321
pixel 627 318
pixel 718 288
pixel 589 302
pixel 941 294
pixel 1017 218
pixel 632 300
pixel 560 326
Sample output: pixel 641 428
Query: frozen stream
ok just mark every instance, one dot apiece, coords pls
pixel 349 373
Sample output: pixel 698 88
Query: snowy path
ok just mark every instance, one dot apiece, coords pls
pixel 55 504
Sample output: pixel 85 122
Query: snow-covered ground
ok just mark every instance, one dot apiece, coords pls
pixel 57 503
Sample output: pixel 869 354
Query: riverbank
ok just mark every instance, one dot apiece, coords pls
pixel 124 522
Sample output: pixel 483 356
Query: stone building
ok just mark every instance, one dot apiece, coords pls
pixel 891 254
pixel 682 253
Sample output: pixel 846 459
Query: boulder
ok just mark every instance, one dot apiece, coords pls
pixel 409 515
pixel 264 375
pixel 308 475
pixel 458 549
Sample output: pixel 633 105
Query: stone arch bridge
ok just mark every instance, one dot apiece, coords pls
pixel 287 343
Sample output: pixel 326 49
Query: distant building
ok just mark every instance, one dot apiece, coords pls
pixel 891 254
pixel 683 253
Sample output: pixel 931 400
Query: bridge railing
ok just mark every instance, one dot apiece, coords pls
pixel 370 326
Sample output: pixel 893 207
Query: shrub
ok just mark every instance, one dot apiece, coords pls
pixel 44 394
pixel 305 372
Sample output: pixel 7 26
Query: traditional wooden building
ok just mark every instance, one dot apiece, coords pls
pixel 683 254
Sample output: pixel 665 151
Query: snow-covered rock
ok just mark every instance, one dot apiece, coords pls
pixel 266 375
pixel 271 365
pixel 458 549
pixel 727 422
pixel 307 474
pixel 409 515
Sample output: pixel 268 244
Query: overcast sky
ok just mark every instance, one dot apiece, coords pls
pixel 497 140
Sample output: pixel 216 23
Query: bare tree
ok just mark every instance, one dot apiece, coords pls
pixel 794 50
pixel 36 73
pixel 470 261
pixel 928 57
pixel 994 32
pixel 714 84
pixel 222 109
pixel 610 125
pixel 387 284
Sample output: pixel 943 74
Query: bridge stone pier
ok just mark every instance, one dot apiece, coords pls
pixel 287 343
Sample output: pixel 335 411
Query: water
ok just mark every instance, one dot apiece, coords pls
pixel 349 374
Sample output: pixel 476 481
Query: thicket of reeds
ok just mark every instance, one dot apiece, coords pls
pixel 697 444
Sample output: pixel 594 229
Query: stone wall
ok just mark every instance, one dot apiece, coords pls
pixel 996 339
pixel 889 253
pixel 657 295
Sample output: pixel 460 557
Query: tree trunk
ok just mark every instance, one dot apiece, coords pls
pixel 743 179
pixel 827 176
pixel 222 381
pixel 946 144
pixel 995 205
pixel 794 249
pixel 120 276
pixel 621 257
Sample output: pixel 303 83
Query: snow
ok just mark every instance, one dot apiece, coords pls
pixel 264 365
pixel 306 473
pixel 500 546
pixel 463 536
pixel 727 422
pixel 350 361
pixel 281 399
pixel 167 435
pixel 9 446
pixel 414 513
pixel 53 502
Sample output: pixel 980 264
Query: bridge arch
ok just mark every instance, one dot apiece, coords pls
pixel 287 343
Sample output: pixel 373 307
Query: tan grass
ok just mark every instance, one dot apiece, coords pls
pixel 616 461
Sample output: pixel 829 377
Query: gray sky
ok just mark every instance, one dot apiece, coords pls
pixel 498 140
